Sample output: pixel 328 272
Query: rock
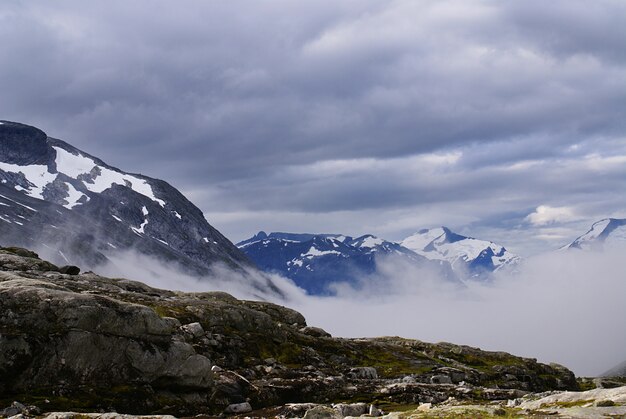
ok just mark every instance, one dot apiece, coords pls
pixel 375 411
pixel 322 412
pixel 440 379
pixel 215 368
pixel 21 252
pixel 367 373
pixel 604 403
pixel 270 361
pixel 317 332
pixel 425 407
pixel 69 270
pixel 194 328
pixel 239 408
pixel 353 409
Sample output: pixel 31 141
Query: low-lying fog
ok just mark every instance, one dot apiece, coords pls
pixel 566 307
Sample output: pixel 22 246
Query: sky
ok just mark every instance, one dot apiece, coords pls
pixel 501 120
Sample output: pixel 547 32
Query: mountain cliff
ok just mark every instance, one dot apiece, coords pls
pixel 76 209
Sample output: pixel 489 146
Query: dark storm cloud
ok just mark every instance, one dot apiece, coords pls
pixel 246 105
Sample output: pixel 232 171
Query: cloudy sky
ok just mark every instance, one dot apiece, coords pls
pixel 501 120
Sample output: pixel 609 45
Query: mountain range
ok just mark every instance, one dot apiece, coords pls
pixel 74 208
pixel 315 261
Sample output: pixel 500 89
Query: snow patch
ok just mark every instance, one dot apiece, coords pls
pixel 313 251
pixel 116 217
pixel 75 165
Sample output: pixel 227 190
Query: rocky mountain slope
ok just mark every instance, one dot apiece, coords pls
pixel 315 261
pixel 84 342
pixel 469 256
pixel 74 208
pixel 606 233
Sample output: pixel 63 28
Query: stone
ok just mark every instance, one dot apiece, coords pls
pixel 367 373
pixel 322 412
pixel 69 270
pixel 194 328
pixel 239 408
pixel 425 407
pixel 317 332
pixel 375 411
pixel 351 409
pixel 440 379
pixel 215 368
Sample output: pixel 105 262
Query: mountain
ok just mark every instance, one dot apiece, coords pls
pixel 90 343
pixel 76 209
pixel 617 371
pixel 467 255
pixel 314 261
pixel 608 232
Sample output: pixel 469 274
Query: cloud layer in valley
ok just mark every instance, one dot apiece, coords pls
pixel 565 307
pixel 359 117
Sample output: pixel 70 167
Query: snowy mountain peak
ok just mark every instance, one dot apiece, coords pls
pixel 314 261
pixel 464 253
pixel 607 232
pixel 55 196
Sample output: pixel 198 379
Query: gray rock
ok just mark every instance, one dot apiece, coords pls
pixel 322 412
pixel 367 373
pixel 317 332
pixel 239 408
pixel 194 328
pixel 352 409
pixel 440 379
pixel 374 411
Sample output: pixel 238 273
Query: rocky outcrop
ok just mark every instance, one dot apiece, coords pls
pixel 86 342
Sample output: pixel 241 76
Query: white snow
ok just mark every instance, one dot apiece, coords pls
pixel 112 245
pixel 74 165
pixel 4 219
pixel 141 228
pixel 36 174
pixel 206 240
pixel 6 205
pixel 432 245
pixel 18 203
pixel 73 196
pixel 295 262
pixel 116 217
pixel 371 241
pixel 163 241
pixel 17 222
pixel 144 210
pixel 177 215
pixel 63 256
pixel 313 251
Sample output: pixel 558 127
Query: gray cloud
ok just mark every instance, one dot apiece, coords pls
pixel 330 112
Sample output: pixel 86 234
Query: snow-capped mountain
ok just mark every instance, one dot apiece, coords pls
pixel 314 261
pixel 76 209
pixel 467 255
pixel 609 232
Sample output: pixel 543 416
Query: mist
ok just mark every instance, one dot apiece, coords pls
pixel 565 307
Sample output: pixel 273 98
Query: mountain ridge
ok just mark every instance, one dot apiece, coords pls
pixel 76 209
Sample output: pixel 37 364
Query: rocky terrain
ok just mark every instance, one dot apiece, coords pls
pixel 75 341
